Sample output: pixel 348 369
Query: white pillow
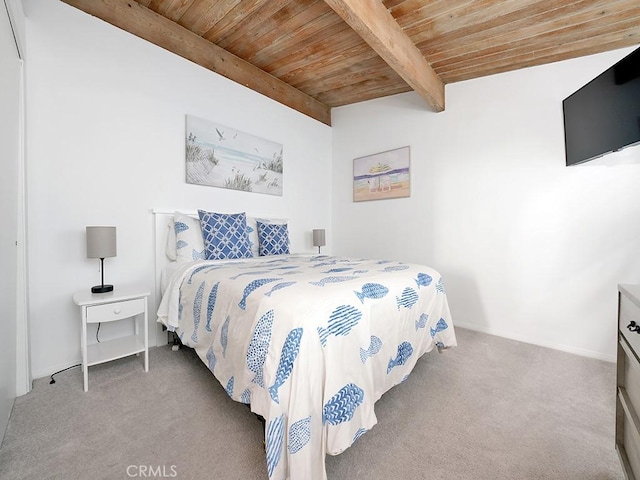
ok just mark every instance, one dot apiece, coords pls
pixel 188 234
pixel 170 249
pixel 252 230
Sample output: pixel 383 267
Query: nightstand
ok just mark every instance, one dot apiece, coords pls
pixel 120 304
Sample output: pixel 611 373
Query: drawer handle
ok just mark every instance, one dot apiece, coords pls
pixel 116 311
pixel 634 327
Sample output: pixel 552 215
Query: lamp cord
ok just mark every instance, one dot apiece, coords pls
pixel 73 366
pixel 60 371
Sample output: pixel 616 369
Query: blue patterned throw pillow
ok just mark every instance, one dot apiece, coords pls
pixel 252 227
pixel 273 238
pixel 225 235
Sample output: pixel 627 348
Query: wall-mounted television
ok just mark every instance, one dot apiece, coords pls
pixel 604 115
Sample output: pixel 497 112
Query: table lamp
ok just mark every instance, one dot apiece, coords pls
pixel 319 238
pixel 101 243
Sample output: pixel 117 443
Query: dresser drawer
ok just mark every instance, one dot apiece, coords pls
pixel 629 312
pixel 109 312
pixel 632 380
pixel 630 447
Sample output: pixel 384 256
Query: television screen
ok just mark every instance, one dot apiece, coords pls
pixel 604 115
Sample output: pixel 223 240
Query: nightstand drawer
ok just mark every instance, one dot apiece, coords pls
pixel 109 312
pixel 629 312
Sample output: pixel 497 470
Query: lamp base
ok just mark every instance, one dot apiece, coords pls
pixel 102 289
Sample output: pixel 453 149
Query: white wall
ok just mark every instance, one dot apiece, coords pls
pixel 106 121
pixel 529 248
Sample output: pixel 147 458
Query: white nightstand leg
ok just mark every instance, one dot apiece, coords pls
pixel 146 337
pixel 136 329
pixel 85 368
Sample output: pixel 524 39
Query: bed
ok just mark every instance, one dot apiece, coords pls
pixel 309 342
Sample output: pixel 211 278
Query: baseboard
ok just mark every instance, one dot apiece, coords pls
pixel 554 346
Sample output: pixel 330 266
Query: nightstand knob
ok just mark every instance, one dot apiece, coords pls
pixel 116 310
pixel 633 327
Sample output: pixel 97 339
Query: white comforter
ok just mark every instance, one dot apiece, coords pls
pixel 310 342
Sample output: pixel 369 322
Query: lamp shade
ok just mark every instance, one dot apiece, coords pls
pixel 318 238
pixel 101 242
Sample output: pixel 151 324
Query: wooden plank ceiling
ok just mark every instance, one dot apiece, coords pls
pixel 313 55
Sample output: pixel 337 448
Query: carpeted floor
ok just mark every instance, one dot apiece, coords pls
pixel 490 409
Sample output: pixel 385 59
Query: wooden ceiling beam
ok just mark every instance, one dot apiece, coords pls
pixel 144 23
pixel 373 22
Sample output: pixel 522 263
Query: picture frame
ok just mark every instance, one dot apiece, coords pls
pixel 383 175
pixel 220 156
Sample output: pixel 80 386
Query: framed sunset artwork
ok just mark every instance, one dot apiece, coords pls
pixel 382 175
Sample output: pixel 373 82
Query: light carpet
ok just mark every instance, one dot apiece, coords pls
pixel 490 409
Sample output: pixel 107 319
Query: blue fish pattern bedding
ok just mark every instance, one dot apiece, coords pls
pixel 310 342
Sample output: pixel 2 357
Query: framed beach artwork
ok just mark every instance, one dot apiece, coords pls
pixel 221 156
pixel 381 175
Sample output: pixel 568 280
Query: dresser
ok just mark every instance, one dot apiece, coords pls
pixel 628 381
